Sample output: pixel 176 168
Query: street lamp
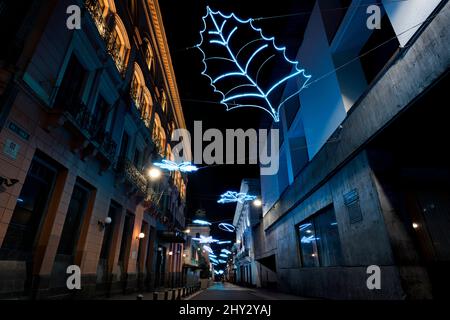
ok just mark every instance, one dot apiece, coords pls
pixel 141 236
pixel 257 203
pixel 154 173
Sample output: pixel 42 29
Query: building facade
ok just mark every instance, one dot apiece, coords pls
pixel 83 114
pixel 363 178
pixel 246 217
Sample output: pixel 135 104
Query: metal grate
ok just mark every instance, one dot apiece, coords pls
pixel 351 201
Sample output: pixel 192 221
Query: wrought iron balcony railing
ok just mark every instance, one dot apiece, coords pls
pixel 82 117
pixel 133 175
pixel 107 34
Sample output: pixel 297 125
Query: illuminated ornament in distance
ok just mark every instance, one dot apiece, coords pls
pixel 232 197
pixel 184 167
pixel 227 227
pixel 201 222
pixel 226 251
pixel 205 240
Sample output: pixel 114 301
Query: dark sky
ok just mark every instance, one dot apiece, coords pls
pixel 183 22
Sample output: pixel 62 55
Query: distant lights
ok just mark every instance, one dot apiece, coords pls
pixel 224 242
pixel 415 225
pixel 222 261
pixel 223 255
pixel 184 167
pixel 225 251
pixel 227 227
pixel 207 249
pixel 201 222
pixel 233 197
pixel 205 240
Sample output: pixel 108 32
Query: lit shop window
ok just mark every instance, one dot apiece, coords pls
pixel 319 240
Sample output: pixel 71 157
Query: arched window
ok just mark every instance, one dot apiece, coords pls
pixel 163 101
pixel 119 44
pixel 100 11
pixel 159 136
pixel 149 54
pixel 137 86
pixel 146 106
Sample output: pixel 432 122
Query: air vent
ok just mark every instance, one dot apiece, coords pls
pixel 351 201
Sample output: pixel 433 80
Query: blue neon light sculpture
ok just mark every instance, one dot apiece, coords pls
pixel 232 44
pixel 184 167
pixel 227 227
pixel 201 222
pixel 232 196
pixel 205 240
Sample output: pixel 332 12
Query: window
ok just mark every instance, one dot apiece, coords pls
pixel 118 45
pixel 74 218
pixel 100 114
pixel 124 146
pixel 127 233
pixel 30 209
pixel 373 57
pixel 149 55
pixel 159 136
pixel 71 89
pixel 319 240
pixel 163 101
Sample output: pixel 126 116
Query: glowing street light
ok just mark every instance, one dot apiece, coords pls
pixel 154 173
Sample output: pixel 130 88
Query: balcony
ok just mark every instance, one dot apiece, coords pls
pixel 88 137
pixel 108 35
pixel 133 178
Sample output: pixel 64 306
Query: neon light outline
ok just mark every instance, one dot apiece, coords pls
pixel 274 112
pixel 232 196
pixel 184 167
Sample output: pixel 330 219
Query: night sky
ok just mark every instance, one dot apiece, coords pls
pixel 183 22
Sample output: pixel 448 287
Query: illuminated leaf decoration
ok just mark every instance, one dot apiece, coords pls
pixel 250 60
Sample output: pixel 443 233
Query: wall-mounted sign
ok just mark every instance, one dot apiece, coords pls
pixel 19 131
pixel 11 149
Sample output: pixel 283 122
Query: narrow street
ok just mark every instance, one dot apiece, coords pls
pixel 228 291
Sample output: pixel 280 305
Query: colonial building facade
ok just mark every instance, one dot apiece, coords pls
pixel 83 115
pixel 364 177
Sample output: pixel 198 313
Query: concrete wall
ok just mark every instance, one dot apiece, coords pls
pixel 363 243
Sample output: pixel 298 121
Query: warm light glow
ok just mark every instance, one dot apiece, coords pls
pixel 155 173
pixel 187 231
pixel 170 253
pixel 257 203
pixel 141 235
pixel 415 225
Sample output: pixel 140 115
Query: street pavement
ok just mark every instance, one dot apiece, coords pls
pixel 228 291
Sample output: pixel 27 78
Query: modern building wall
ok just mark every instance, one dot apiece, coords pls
pixel 339 180
pixel 44 130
